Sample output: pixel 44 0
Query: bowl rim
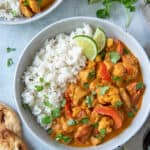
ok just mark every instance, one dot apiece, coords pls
pixel 34 18
pixel 113 146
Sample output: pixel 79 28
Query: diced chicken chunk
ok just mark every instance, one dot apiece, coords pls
pixel 83 133
pixel 107 124
pixel 119 70
pixel 126 99
pixel 111 96
pixel 134 92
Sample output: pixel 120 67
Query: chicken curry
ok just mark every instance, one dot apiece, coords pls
pixel 104 101
pixel 31 7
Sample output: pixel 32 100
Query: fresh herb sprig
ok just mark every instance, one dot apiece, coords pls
pixel 105 11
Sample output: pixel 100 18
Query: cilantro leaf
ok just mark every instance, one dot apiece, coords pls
pixel 84 120
pixel 118 103
pixel 139 86
pixel 10 62
pixel 103 90
pixel 102 132
pixel 114 57
pixel 46 119
pixel 89 101
pixel 71 122
pixel 10 49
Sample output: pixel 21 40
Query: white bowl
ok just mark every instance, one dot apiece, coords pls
pixel 24 20
pixel 67 25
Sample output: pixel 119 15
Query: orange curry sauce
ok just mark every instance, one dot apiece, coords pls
pixel 104 101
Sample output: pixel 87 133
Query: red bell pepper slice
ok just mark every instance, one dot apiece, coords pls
pixel 112 112
pixel 120 47
pixel 68 106
pixel 105 75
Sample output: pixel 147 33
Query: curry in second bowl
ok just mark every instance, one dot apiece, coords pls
pixel 15 9
pixel 84 87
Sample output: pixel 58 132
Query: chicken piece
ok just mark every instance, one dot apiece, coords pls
pixel 45 3
pixel 98 58
pixel 109 65
pixel 83 133
pixel 126 99
pixel 106 123
pixel 70 90
pixel 131 64
pixel 91 65
pixel 64 126
pixel 26 11
pixel 111 95
pixel 83 75
pixel 34 5
pixel 79 93
pixel 129 59
pixel 119 70
pixel 79 112
pixel 76 93
pixel 94 84
pixel 110 42
pixel 95 141
pixel 94 117
pixel 135 92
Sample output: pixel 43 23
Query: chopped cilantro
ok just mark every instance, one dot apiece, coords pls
pixel 130 114
pixel 103 90
pixel 102 132
pixel 116 78
pixel 89 101
pixel 46 119
pixel 86 85
pixel 63 103
pixel 38 88
pixel 114 57
pixel 56 113
pixel 48 104
pixel 139 86
pixel 41 79
pixel 49 131
pixel 84 120
pixel 118 103
pixel 91 75
pixel 10 62
pixel 71 122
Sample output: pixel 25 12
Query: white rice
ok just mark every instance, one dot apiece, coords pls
pixel 9 9
pixel 58 63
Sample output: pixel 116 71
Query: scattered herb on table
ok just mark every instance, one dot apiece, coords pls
pixel 10 49
pixel 147 1
pixel 10 62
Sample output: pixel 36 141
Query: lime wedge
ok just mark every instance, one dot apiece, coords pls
pixel 100 38
pixel 88 45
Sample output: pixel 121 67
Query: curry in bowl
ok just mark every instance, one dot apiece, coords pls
pixel 84 88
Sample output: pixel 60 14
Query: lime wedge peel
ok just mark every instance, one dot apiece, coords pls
pixel 100 38
pixel 88 45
